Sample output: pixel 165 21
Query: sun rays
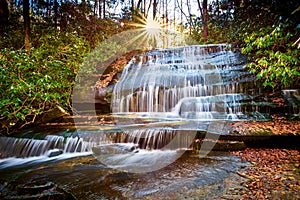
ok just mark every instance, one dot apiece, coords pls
pixel 148 22
pixel 153 31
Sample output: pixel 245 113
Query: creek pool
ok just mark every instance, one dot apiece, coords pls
pixel 85 177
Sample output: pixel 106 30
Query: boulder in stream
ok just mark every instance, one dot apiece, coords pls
pixel 55 152
pixel 116 148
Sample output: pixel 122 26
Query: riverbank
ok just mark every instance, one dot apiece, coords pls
pixel 273 174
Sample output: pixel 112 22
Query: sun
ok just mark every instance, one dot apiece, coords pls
pixel 153 31
pixel 150 25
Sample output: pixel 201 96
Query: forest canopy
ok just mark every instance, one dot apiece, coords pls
pixel 43 42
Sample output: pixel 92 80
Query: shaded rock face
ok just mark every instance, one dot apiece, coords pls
pixel 102 99
pixel 51 115
pixel 104 86
pixel 292 100
pixel 100 95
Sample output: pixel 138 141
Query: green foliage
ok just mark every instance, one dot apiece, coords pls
pixel 272 56
pixel 266 30
pixel 34 82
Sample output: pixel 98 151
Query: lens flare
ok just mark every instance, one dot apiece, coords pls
pixel 152 30
pixel 152 24
pixel 146 23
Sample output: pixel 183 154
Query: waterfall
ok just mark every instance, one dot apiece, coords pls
pixel 27 147
pixel 198 82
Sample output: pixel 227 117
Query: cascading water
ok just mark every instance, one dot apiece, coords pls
pixel 25 147
pixel 18 151
pixel 177 91
pixel 193 82
pixel 161 99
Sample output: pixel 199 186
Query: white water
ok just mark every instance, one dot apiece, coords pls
pixel 25 147
pixel 142 161
pixel 191 82
pixel 15 161
pixel 19 151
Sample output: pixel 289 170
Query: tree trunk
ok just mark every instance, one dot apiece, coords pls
pixel 55 13
pixel 95 7
pixel 218 8
pixel 4 13
pixel 144 8
pixel 139 6
pixel 83 6
pixel 132 9
pixel 166 13
pixel 155 3
pixel 26 24
pixel 181 13
pixel 147 13
pixel 190 16
pixel 104 11
pixel 205 19
pixel 100 8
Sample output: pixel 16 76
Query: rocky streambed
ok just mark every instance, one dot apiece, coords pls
pixel 85 178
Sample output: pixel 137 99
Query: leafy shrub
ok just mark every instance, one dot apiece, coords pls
pixel 273 57
pixel 32 83
pixel 267 33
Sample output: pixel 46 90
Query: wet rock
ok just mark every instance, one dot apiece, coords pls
pixel 33 188
pixel 40 191
pixel 55 152
pixel 117 148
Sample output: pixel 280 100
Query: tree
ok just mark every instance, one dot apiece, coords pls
pixel 27 29
pixel 104 9
pixel 4 13
pixel 205 20
pixel 100 8
pixel 155 3
pixel 55 13
pixel 132 8
pixel 204 15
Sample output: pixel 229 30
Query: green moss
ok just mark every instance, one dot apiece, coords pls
pixel 262 133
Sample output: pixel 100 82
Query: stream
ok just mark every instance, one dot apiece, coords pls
pixel 82 176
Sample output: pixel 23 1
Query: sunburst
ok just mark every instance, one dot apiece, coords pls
pixel 152 29
pixel 148 22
